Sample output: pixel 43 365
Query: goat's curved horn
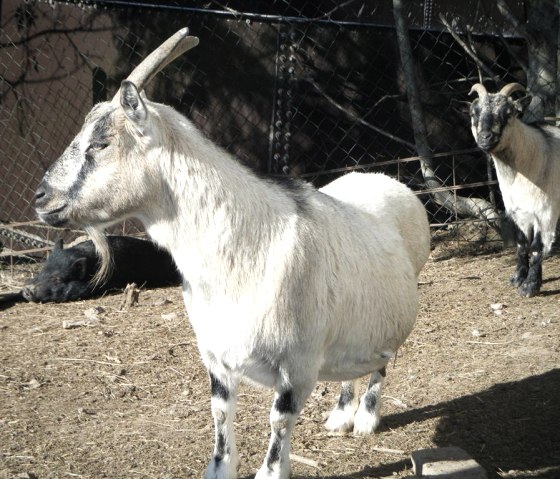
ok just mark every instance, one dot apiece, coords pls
pixel 480 89
pixel 511 88
pixel 156 61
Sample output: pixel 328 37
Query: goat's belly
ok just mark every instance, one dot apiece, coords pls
pixel 346 366
pixel 351 368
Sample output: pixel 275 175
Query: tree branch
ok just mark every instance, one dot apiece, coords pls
pixel 476 207
pixel 467 48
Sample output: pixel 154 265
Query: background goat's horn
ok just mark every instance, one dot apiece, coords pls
pixel 480 89
pixel 156 61
pixel 510 88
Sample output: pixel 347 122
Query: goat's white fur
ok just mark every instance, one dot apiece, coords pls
pixel 283 287
pixel 528 169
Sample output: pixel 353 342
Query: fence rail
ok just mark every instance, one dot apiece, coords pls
pixel 308 89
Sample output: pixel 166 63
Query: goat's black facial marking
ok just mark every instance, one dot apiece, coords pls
pixel 489 116
pixel 81 159
pixel 102 128
pixel 87 167
pixel 475 110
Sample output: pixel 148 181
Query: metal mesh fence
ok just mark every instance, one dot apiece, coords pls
pixel 301 88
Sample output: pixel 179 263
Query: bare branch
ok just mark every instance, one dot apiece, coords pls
pixel 467 48
pixel 54 31
pixel 514 21
pixel 360 120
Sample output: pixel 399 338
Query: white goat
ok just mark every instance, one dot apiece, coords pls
pixel 527 161
pixel 284 285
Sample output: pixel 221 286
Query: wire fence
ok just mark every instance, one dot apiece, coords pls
pixel 303 88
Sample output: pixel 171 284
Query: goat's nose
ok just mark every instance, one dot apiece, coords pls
pixel 41 194
pixel 485 135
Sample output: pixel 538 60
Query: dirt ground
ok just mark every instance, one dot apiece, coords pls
pixel 127 396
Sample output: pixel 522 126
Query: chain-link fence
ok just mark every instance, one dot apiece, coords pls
pixel 303 88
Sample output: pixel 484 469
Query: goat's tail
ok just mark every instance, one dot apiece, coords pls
pixel 103 251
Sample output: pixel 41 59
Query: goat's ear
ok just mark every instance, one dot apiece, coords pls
pixel 133 105
pixel 522 103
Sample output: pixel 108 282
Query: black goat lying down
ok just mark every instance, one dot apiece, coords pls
pixel 67 274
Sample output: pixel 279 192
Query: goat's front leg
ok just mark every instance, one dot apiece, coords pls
pixel 225 458
pixel 533 282
pixel 288 403
pixel 522 267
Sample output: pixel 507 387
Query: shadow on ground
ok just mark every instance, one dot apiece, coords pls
pixel 512 428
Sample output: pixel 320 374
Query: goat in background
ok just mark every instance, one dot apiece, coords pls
pixel 284 285
pixel 527 161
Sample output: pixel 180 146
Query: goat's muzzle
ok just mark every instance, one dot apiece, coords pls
pixel 49 211
pixel 487 140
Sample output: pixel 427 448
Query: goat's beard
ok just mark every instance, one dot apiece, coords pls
pixel 103 252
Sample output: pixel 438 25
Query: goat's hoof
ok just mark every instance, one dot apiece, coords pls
pixel 365 428
pixel 340 421
pixel 274 472
pixel 366 422
pixel 516 280
pixel 225 468
pixel 528 290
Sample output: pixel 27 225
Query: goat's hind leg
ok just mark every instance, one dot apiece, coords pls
pixel 341 418
pixel 522 267
pixel 225 459
pixel 523 242
pixel 533 282
pixel 368 415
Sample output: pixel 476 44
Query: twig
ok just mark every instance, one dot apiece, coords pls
pixel 87 361
pixel 396 402
pixel 360 120
pixel 488 343
pixel 386 450
pixel 513 55
pixel 467 49
pixel 304 460
pixel 168 426
pixel 514 21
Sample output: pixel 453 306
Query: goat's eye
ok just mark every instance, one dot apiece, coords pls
pixel 98 145
pixel 475 110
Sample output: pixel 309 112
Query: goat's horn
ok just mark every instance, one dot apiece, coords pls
pixel 511 88
pixel 156 61
pixel 480 89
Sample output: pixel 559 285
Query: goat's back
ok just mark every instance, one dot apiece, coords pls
pixel 390 202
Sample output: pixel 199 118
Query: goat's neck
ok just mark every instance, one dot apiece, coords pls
pixel 518 151
pixel 214 215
